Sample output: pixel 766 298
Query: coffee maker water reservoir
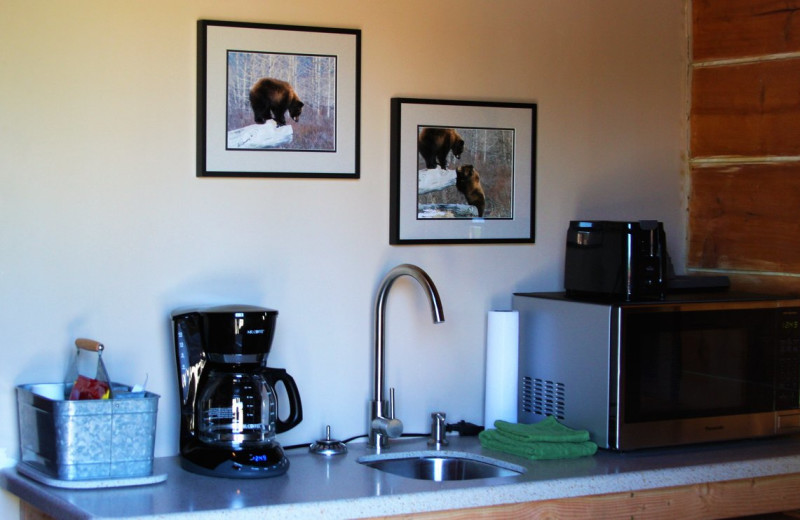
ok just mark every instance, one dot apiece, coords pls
pixel 229 414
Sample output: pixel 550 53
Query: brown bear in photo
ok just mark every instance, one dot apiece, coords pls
pixel 468 182
pixel 435 143
pixel 271 98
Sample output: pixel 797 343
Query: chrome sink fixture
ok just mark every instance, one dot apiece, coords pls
pixel 382 422
pixel 441 466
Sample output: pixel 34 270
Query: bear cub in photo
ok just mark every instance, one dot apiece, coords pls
pixel 468 182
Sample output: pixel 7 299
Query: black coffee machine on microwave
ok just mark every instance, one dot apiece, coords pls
pixel 229 414
pixel 616 260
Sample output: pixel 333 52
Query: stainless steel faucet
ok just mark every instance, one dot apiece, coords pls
pixel 382 422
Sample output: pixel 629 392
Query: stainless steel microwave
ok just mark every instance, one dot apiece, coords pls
pixel 687 369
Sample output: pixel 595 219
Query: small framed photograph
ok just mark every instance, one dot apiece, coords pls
pixel 462 172
pixel 277 100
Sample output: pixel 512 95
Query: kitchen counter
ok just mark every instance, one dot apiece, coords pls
pixel 339 487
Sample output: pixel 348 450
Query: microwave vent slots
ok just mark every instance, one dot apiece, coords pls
pixel 543 397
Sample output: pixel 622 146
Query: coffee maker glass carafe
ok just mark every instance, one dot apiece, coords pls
pixel 229 414
pixel 236 408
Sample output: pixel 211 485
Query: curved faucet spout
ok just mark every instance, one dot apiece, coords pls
pixel 380 315
pixel 380 409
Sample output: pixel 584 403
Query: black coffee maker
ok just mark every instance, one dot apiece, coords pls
pixel 229 411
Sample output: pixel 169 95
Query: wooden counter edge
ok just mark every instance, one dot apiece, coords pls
pixel 725 499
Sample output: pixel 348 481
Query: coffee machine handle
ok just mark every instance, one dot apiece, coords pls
pixel 274 375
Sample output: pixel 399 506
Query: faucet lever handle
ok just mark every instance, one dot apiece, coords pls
pixel 389 425
pixel 391 403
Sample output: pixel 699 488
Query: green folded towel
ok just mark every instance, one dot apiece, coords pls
pixel 545 440
pixel 548 430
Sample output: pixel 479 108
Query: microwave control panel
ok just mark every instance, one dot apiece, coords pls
pixel 787 369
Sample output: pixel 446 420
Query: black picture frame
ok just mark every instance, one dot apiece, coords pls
pixel 318 69
pixel 435 203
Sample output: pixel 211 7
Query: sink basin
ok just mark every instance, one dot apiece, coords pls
pixel 441 466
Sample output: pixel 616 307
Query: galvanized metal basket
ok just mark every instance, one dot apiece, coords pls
pixel 84 440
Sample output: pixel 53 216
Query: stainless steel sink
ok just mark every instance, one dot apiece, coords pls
pixel 441 466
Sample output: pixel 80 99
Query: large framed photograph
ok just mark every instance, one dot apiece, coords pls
pixel 462 172
pixel 278 100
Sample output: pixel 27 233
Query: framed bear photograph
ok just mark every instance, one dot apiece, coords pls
pixel 462 172
pixel 278 100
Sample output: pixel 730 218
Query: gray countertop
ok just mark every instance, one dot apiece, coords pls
pixel 340 487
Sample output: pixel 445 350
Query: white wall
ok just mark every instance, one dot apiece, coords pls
pixel 104 228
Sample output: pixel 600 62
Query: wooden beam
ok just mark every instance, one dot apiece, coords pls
pixel 750 109
pixel 745 218
pixel 738 28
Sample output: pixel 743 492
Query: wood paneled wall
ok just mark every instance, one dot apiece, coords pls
pixel 744 206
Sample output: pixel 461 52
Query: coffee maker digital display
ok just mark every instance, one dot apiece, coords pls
pixel 229 410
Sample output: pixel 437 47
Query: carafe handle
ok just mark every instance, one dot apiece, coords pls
pixel 274 375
